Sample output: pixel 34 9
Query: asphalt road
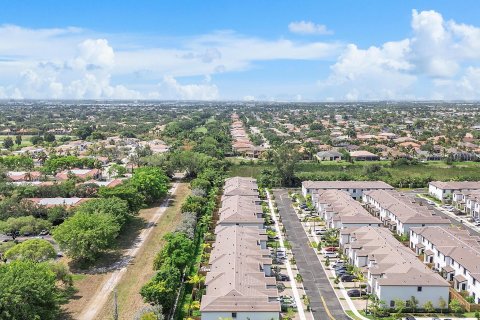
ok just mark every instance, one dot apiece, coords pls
pixel 315 280
pixel 440 213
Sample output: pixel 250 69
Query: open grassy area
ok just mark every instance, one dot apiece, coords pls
pixel 433 170
pixel 201 129
pixel 140 270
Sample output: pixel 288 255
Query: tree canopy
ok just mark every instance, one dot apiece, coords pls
pixel 37 250
pixel 84 235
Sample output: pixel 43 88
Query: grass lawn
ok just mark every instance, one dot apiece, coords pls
pixel 141 269
pixel 436 170
pixel 201 129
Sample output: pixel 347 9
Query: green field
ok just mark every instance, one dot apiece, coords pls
pixel 421 173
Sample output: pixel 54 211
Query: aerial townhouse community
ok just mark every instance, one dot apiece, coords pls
pixel 240 284
pixel 400 244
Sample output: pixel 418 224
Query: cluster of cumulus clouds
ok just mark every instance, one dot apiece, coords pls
pixel 440 60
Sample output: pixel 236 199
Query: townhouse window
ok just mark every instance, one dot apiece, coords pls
pixel 419 289
pixel 464 271
pixel 474 281
pixel 392 303
pixel 234 315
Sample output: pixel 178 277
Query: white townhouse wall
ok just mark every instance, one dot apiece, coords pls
pixel 399 212
pixel 441 189
pixel 393 270
pixel 240 315
pixel 354 188
pixel 453 252
pixel 422 293
pixel 467 201
pixel 340 210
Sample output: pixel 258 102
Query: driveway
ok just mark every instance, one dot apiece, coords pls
pixel 315 280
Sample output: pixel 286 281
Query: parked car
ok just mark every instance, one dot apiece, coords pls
pixel 330 255
pixel 348 278
pixel 356 293
pixel 44 232
pixel 282 277
pixel 410 318
pixel 330 249
pixel 280 287
pixel 341 272
pixel 320 232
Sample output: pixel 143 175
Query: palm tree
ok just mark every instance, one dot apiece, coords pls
pixel 196 280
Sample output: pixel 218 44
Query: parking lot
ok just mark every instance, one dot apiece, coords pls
pixel 323 299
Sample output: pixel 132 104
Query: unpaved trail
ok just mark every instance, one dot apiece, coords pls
pixel 96 304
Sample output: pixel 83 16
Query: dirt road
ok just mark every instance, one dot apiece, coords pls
pixel 97 302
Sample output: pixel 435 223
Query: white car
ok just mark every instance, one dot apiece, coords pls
pixel 330 254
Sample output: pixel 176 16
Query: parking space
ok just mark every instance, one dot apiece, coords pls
pixel 323 300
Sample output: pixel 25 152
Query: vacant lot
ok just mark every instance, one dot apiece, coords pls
pixel 138 271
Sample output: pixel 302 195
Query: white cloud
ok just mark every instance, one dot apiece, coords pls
pixel 249 98
pixel 374 73
pixel 72 62
pixel 438 55
pixel 169 88
pixel 308 27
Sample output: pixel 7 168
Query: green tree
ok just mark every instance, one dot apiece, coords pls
pixel 117 170
pixel 162 288
pixel 8 143
pixel 285 159
pixel 23 225
pixel 18 140
pixel 400 306
pixel 84 235
pixel 113 206
pixel 37 250
pixel 36 140
pixel 428 306
pixel 177 251
pixel 413 303
pixel 152 182
pixel 442 304
pixel 456 306
pixel 28 291
pixel 125 192
pixel 83 132
pixel 49 137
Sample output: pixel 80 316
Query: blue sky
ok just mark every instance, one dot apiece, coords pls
pixel 242 50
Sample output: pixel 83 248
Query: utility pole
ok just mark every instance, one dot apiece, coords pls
pixel 115 305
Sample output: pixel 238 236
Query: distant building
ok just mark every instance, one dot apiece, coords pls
pixel 80 173
pixel 441 190
pixel 363 155
pixel 328 156
pixel 354 188
pixel 52 202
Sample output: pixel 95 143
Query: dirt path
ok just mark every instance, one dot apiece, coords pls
pixel 140 270
pixel 100 297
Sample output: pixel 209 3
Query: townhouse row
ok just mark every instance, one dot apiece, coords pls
pixel 393 270
pixel 453 252
pixel 400 212
pixel 240 284
pixel 381 206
